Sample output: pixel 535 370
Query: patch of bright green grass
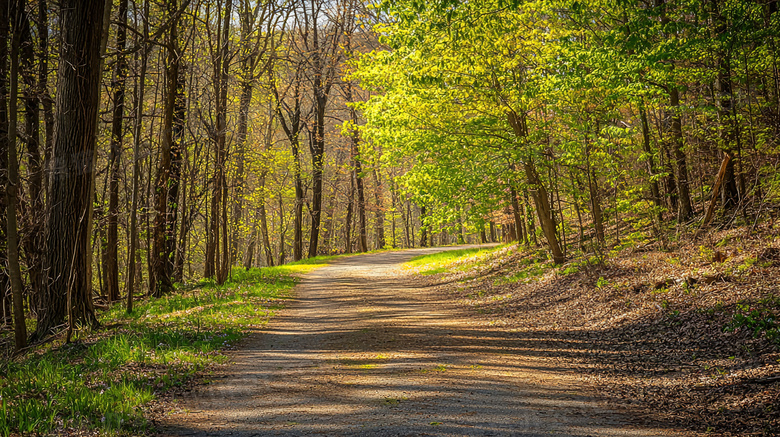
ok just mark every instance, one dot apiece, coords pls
pixel 104 381
pixel 445 261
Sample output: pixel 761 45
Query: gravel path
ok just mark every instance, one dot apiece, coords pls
pixel 363 350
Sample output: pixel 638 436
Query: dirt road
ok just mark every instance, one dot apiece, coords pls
pixel 366 351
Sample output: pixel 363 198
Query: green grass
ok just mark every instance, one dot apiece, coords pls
pixel 104 379
pixel 443 262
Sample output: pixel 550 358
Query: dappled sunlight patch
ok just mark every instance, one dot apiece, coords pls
pixel 446 261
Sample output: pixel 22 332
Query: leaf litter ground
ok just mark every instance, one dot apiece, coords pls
pixel 686 337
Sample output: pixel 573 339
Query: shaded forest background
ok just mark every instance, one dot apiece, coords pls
pixel 152 143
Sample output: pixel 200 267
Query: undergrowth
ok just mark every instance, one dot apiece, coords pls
pixel 104 379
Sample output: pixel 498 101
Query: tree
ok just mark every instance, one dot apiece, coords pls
pixel 68 288
pixel 115 155
pixel 169 165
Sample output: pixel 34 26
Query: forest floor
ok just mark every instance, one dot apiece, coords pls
pixel 366 348
pixel 687 336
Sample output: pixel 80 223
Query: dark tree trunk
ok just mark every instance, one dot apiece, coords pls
pixel 217 261
pixel 292 129
pixel 517 214
pixel 423 228
pixel 357 170
pixel 728 135
pixel 652 171
pixel 167 179
pixel 72 170
pixel 32 241
pixel 14 184
pixel 379 215
pixel 298 207
pixel 595 198
pixel 330 222
pixel 43 94
pixel 317 149
pixel 685 209
pixel 115 156
pixel 5 280
pixel 269 256
pixel 238 201
pixel 539 194
pixel 350 208
pixel 282 232
pixel 133 254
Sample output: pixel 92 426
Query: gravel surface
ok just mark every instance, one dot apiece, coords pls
pixel 366 350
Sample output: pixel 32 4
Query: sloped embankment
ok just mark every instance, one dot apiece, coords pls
pixel 688 337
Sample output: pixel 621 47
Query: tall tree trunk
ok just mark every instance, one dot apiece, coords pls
pixel 357 169
pixel 72 170
pixel 423 228
pixel 652 171
pixel 595 198
pixel 330 222
pixel 728 135
pixel 379 214
pixel 269 256
pixel 220 257
pixel 134 254
pixel 298 207
pixel 12 189
pixel 282 231
pixel 5 280
pixel 539 194
pixel 685 207
pixel 238 189
pixel 317 149
pixel 292 129
pixel 43 75
pixel 350 208
pixel 516 213
pixel 166 192
pixel 115 156
pixel 34 213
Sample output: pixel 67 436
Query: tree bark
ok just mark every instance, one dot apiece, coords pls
pixel 5 280
pixel 423 228
pixel 728 135
pixel 539 194
pixel 218 259
pixel 115 156
pixel 166 194
pixel 516 213
pixel 595 198
pixel 685 207
pixel 133 254
pixel 13 182
pixel 350 209
pixel 379 214
pixel 292 129
pixel 652 171
pixel 32 240
pixel 72 171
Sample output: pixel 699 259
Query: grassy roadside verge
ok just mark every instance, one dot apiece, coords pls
pixel 103 380
pixel 446 261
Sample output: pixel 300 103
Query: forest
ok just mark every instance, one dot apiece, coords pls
pixel 149 145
